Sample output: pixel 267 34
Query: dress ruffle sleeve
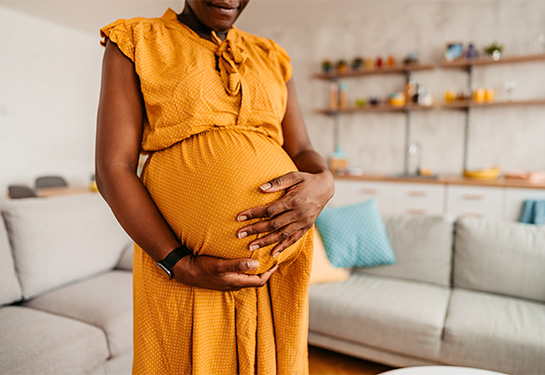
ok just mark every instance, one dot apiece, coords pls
pixel 121 33
pixel 283 61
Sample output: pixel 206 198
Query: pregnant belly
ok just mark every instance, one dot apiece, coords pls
pixel 201 184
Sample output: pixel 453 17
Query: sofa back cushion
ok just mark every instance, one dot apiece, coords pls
pixel 10 290
pixel 423 248
pixel 500 257
pixel 125 262
pixel 58 240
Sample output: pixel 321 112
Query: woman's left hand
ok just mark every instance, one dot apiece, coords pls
pixel 289 217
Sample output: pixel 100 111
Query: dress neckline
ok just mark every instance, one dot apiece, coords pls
pixel 172 17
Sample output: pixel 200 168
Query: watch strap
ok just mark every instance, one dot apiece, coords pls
pixel 172 258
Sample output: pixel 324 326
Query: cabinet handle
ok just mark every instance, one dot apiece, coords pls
pixel 473 214
pixel 418 193
pixel 415 211
pixel 474 197
pixel 369 191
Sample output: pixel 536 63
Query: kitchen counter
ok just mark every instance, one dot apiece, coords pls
pixel 444 180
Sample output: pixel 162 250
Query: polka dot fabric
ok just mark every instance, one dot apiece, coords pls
pixel 211 145
pixel 355 235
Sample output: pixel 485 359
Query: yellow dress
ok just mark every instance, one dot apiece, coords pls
pixel 213 131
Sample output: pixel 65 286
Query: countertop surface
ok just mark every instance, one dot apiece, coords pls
pixel 444 180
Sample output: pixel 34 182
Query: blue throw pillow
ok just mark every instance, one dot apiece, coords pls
pixel 355 235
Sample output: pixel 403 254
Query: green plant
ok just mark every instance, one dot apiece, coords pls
pixel 327 65
pixel 489 50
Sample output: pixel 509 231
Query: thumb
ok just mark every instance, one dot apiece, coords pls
pixel 283 182
pixel 241 265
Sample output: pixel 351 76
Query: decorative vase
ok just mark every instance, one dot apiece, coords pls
pixel 496 55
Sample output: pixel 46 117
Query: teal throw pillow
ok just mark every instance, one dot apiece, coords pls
pixel 355 235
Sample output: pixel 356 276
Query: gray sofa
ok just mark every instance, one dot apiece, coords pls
pixel 65 288
pixel 66 294
pixel 468 293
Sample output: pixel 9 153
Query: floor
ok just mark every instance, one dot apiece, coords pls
pixel 325 362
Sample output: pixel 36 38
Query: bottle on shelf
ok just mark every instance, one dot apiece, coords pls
pixel 391 62
pixel 414 163
pixel 342 96
pixel 410 91
pixel 334 96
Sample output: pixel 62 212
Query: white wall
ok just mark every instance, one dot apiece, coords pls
pixel 50 78
pixel 509 137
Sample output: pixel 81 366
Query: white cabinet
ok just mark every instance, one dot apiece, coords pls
pixel 418 199
pixel 392 197
pixel 475 201
pixel 514 199
pixel 348 192
pixel 409 198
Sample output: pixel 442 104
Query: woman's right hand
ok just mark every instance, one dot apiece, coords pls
pixel 204 271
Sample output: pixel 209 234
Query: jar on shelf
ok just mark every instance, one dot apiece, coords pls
pixel 338 160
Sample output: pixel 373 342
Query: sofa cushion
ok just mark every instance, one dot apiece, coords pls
pixel 423 248
pixel 36 342
pixel 322 269
pixel 399 316
pixel 61 239
pixel 10 290
pixel 125 262
pixel 500 257
pixel 104 301
pixel 495 332
pixel 116 366
pixel 354 235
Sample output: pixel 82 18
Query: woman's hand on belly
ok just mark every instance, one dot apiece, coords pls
pixel 219 274
pixel 291 216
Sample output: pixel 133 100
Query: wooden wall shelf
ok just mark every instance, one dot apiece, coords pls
pixel 407 70
pixel 372 109
pixel 464 63
pixel 460 104
pixel 463 104
pixel 366 72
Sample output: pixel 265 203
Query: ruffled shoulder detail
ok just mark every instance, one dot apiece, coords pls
pixel 121 33
pixel 283 61
pixel 272 50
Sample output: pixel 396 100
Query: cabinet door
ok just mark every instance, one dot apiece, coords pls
pixel 514 199
pixel 349 192
pixel 419 199
pixel 475 201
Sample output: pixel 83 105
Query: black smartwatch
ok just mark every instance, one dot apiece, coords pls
pixel 171 259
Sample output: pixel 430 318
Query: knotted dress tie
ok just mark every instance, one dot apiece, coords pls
pixel 230 59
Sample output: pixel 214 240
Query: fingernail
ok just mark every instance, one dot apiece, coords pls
pixel 266 186
pixel 242 218
pixel 275 254
pixel 253 263
pixel 242 234
pixel 254 247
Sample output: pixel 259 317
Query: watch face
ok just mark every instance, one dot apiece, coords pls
pixel 167 271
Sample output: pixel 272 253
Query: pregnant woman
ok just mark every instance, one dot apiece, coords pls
pixel 222 215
